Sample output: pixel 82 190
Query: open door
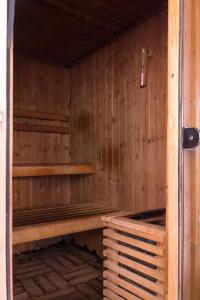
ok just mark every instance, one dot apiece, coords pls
pixel 6 66
pixel 183 153
pixel 191 154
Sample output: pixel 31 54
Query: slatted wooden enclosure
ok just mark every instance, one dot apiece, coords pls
pixel 135 257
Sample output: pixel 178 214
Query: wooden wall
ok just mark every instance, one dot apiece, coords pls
pixel 120 126
pixel 43 88
pixel 115 124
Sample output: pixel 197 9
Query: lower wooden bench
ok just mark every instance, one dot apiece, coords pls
pixel 39 224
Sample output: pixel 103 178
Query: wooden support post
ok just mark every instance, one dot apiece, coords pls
pixel 172 221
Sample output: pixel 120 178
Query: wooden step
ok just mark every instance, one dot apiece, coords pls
pixel 38 224
pixel 24 114
pixel 37 170
pixel 40 128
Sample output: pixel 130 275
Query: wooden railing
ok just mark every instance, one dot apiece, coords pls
pixel 135 259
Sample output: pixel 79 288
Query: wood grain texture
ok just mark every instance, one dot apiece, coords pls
pixel 62 272
pixel 115 124
pixel 40 88
pixel 52 170
pixel 6 106
pixel 25 114
pixel 40 128
pixel 135 261
pixel 191 89
pixel 39 224
pixel 63 32
pixel 118 125
pixel 172 170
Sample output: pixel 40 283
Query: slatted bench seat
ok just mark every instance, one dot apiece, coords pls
pixel 38 224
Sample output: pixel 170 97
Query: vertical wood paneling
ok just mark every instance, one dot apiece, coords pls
pixel 191 90
pixel 118 125
pixel 44 88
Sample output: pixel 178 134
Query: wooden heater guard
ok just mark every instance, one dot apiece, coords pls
pixel 135 258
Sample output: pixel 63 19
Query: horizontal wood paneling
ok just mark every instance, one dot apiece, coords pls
pixel 41 88
pixel 120 126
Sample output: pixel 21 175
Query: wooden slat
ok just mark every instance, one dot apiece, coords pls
pixel 134 242
pixel 173 139
pixel 46 230
pixel 47 217
pixel 41 128
pixel 52 170
pixel 155 273
pixel 73 207
pixel 132 231
pixel 149 231
pixel 110 295
pixel 160 262
pixel 140 292
pixel 156 287
pixel 119 291
pixel 67 210
pixel 140 226
pixel 25 114
pixel 54 209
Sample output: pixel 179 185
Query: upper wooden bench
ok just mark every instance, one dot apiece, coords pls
pixel 36 170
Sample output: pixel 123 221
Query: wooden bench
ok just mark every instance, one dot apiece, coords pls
pixel 36 170
pixel 38 224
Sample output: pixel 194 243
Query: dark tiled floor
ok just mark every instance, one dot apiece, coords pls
pixel 58 273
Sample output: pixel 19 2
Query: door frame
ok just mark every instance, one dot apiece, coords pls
pixel 6 100
pixel 174 199
pixel 191 118
pixel 173 150
pixel 4 280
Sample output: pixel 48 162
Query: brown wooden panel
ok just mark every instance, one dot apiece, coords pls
pixel 40 128
pixel 120 126
pixel 52 170
pixel 129 264
pixel 40 88
pixel 25 114
pixel 63 32
pixel 191 193
pixel 28 229
pixel 60 272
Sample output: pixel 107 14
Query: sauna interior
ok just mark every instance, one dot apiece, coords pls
pixel 89 111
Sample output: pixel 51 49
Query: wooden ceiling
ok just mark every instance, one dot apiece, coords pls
pixel 65 31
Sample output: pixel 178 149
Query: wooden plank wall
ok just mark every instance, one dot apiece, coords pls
pixel 119 126
pixel 43 88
